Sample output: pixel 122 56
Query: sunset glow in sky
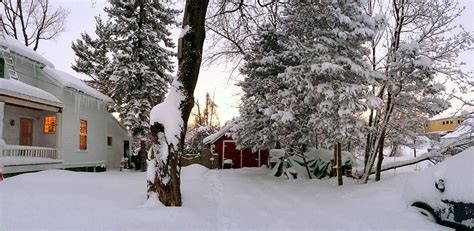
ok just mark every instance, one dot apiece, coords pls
pixel 214 78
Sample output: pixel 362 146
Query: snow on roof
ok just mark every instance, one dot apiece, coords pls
pixel 19 48
pixel 71 81
pixel 214 137
pixel 22 90
pixel 464 129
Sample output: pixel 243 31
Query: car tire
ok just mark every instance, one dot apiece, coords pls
pixel 425 210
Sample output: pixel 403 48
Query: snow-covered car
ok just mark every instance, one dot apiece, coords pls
pixel 445 192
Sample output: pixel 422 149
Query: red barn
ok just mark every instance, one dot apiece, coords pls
pixel 223 144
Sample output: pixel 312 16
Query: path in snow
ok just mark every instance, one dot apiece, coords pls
pixel 246 199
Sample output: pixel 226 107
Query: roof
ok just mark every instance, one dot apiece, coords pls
pixel 466 128
pixel 71 81
pixel 19 48
pixel 214 137
pixel 16 88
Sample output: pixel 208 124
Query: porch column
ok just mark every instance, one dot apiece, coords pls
pixel 2 110
pixel 59 129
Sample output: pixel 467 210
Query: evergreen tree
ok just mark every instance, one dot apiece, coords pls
pixel 92 57
pixel 134 53
pixel 255 128
pixel 327 91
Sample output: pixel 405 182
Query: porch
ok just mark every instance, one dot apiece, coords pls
pixel 30 128
pixel 19 159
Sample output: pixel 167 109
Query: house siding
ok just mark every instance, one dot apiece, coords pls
pixel 115 152
pixel 11 133
pixel 49 85
pixel 78 106
pixel 26 71
pixel 444 125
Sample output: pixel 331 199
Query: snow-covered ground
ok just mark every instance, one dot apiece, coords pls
pixel 244 199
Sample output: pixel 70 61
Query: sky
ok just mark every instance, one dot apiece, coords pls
pixel 214 78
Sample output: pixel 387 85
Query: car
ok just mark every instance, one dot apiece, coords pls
pixel 444 193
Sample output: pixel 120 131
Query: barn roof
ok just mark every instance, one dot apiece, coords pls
pixel 214 137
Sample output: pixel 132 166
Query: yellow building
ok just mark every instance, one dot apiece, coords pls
pixel 448 124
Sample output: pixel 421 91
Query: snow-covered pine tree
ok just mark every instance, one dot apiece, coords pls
pixel 142 54
pixel 328 90
pixel 255 129
pixel 92 60
pixel 130 61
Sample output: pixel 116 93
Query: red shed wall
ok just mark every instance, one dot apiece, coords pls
pixel 240 158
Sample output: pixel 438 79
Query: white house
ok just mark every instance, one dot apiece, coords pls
pixel 50 119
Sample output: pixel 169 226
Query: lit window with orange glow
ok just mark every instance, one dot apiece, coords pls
pixel 83 135
pixel 49 124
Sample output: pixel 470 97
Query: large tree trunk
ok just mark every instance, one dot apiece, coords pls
pixel 379 159
pixel 339 163
pixel 166 181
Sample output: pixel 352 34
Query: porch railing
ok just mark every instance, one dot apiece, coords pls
pixel 29 151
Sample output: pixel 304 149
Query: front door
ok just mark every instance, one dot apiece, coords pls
pixel 126 149
pixel 26 131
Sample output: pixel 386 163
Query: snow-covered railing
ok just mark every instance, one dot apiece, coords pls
pixel 29 151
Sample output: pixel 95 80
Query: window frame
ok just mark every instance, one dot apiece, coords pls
pixel 2 69
pixel 54 125
pixel 82 147
pixel 109 144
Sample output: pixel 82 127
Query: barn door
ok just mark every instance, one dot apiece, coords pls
pixel 249 158
pixel 26 131
pixel 231 152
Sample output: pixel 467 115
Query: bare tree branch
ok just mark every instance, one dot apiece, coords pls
pixel 33 20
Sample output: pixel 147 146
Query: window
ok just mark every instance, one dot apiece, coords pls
pixel 451 122
pixel 443 122
pixel 83 135
pixel 109 141
pixel 2 68
pixel 49 124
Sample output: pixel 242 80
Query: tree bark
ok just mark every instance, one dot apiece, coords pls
pixel 414 147
pixel 379 159
pixel 142 155
pixel 167 177
pixel 339 163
